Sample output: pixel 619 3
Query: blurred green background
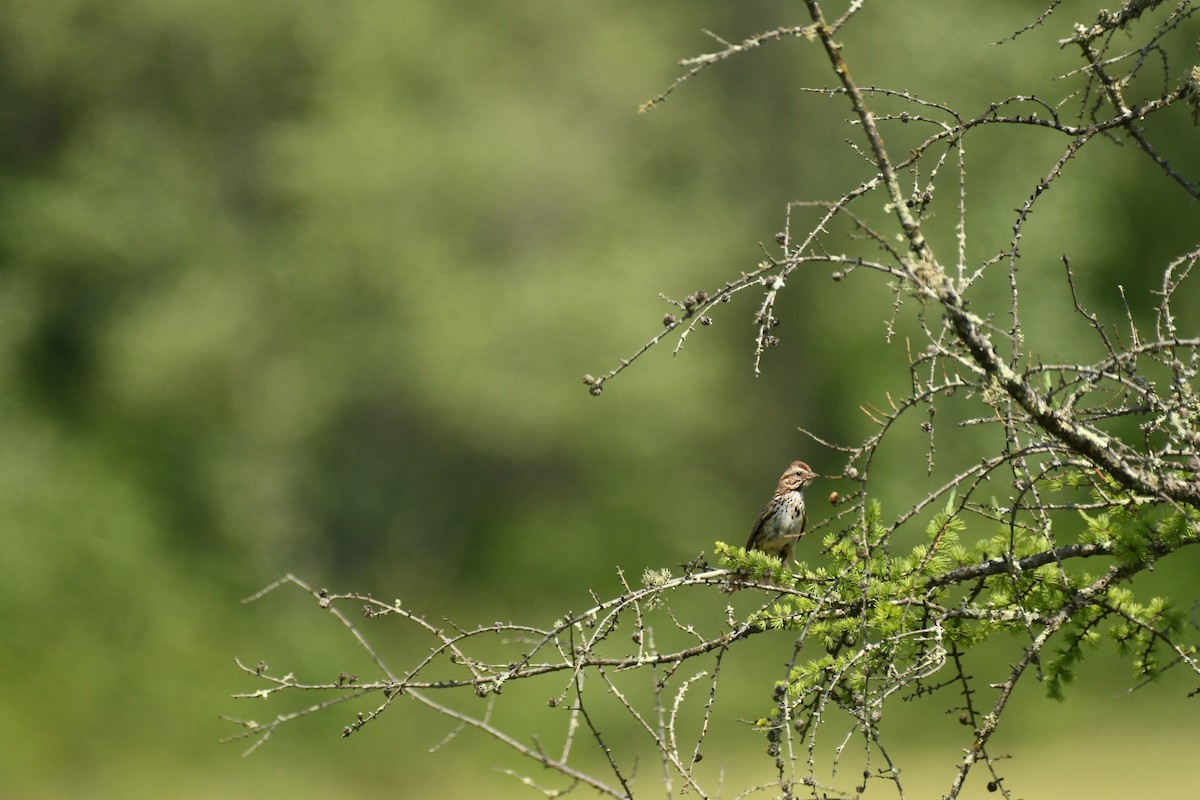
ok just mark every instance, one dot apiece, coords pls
pixel 309 287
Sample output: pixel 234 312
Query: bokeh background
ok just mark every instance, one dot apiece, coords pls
pixel 309 287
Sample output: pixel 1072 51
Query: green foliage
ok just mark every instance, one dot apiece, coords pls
pixel 1136 536
pixel 305 287
pixel 871 615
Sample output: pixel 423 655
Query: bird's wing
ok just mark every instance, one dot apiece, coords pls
pixel 758 524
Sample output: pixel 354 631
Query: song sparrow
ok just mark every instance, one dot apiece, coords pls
pixel 782 520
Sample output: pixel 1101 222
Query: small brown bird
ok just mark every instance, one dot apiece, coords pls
pixel 781 522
